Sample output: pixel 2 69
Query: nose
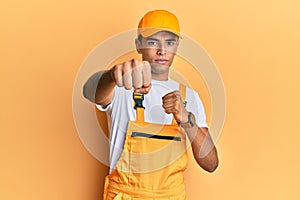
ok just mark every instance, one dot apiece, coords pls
pixel 161 50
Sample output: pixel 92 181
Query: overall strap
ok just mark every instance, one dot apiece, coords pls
pixel 182 91
pixel 138 99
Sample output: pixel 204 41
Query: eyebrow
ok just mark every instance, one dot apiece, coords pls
pixel 152 39
pixel 171 40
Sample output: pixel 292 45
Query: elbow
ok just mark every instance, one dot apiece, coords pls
pixel 90 87
pixel 209 164
pixel 85 92
pixel 212 167
pixel 89 92
pixel 209 161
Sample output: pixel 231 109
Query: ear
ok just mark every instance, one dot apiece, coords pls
pixel 177 44
pixel 138 45
pixel 178 41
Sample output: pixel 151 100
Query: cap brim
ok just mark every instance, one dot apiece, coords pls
pixel 147 32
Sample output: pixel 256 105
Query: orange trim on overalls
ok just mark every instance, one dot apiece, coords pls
pixel 152 162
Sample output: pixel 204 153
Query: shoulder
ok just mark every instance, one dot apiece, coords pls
pixel 190 92
pixel 120 96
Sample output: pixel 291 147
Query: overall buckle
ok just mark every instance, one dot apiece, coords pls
pixel 138 99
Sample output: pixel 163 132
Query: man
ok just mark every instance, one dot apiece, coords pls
pixel 138 127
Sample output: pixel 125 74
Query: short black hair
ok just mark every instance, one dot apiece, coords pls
pixel 140 38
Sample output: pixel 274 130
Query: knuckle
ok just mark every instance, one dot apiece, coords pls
pixel 146 66
pixel 117 67
pixel 126 65
pixel 146 63
pixel 135 61
pixel 174 97
pixel 136 85
pixel 137 69
pixel 128 87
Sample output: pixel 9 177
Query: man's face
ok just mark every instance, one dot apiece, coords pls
pixel 159 50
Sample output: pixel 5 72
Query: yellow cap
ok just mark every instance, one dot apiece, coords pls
pixel 158 20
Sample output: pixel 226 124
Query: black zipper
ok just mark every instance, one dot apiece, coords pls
pixel 161 137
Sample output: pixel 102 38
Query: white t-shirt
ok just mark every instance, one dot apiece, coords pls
pixel 121 110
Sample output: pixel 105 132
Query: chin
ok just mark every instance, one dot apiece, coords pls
pixel 156 65
pixel 159 69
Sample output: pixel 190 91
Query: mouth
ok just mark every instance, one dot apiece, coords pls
pixel 161 61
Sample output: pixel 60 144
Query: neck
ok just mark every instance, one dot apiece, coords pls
pixel 159 77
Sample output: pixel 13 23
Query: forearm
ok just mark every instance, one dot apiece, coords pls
pixel 99 88
pixel 105 89
pixel 204 150
pixel 203 147
pixel 130 74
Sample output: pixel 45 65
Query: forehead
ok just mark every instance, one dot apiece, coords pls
pixel 164 35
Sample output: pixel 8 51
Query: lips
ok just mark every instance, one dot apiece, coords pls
pixel 161 61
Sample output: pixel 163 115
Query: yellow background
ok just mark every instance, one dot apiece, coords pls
pixel 255 45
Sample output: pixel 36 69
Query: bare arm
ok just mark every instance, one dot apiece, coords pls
pixel 99 88
pixel 90 86
pixel 105 89
pixel 204 151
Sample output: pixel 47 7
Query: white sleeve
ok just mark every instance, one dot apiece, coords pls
pixel 101 108
pixel 194 105
pixel 109 106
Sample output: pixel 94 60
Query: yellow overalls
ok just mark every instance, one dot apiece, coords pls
pixel 152 162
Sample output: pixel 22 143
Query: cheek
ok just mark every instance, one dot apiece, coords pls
pixel 171 57
pixel 148 54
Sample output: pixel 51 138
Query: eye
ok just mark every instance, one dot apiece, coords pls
pixel 151 43
pixel 171 43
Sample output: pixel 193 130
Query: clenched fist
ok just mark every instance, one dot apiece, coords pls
pixel 133 74
pixel 172 103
